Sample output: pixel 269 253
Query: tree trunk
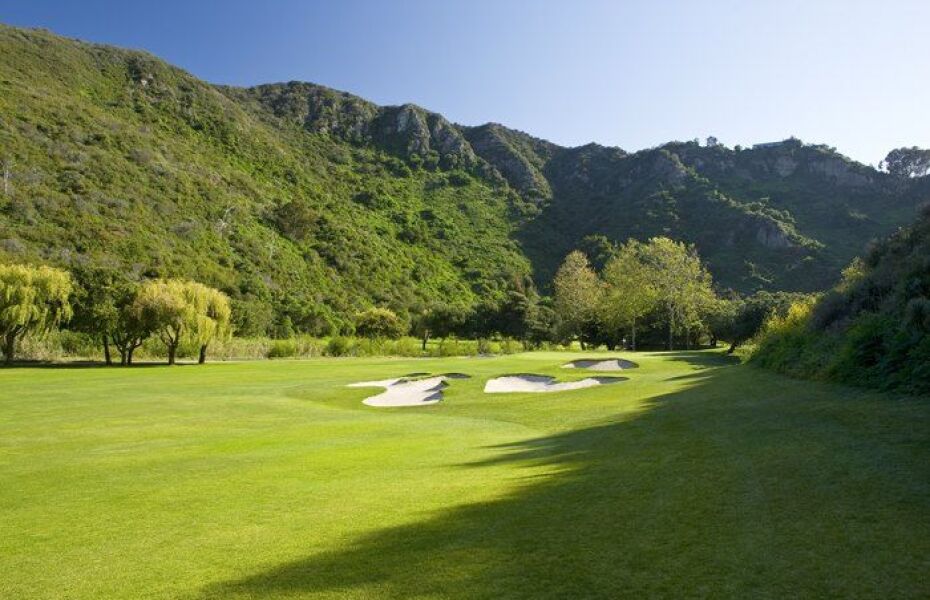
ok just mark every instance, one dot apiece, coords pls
pixel 732 348
pixel 671 327
pixel 9 347
pixel 425 339
pixel 106 351
pixel 123 357
pixel 203 355
pixel 633 341
pixel 172 351
pixel 129 354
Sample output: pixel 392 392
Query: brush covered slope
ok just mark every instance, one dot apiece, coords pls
pixel 120 159
pixel 307 203
pixel 873 329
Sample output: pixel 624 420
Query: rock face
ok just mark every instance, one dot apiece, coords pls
pixel 841 172
pixel 515 156
pixel 770 235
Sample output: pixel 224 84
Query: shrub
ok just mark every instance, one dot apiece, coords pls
pixel 379 323
pixel 339 346
pixel 283 349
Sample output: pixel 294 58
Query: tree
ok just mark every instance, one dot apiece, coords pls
pixel 630 292
pixel 439 320
pixel 164 307
pixel 211 316
pixel 683 286
pixel 577 294
pixel 908 162
pixel 379 323
pixel 33 300
pixel 103 309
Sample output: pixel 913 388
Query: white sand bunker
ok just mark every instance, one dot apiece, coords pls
pixel 404 391
pixel 542 383
pixel 604 364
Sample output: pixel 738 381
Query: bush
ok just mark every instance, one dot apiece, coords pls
pixel 339 346
pixel 283 349
pixel 380 323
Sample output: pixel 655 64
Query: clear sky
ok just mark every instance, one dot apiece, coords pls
pixel 849 73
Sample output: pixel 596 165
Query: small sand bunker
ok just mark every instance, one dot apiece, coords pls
pixel 542 383
pixel 404 391
pixel 601 364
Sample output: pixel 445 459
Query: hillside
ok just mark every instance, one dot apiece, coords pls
pixel 309 203
pixel 873 329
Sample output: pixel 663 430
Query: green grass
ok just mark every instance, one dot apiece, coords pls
pixel 695 478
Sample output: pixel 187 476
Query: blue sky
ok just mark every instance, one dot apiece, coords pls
pixel 850 73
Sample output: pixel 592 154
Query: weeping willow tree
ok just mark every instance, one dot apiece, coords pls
pixel 33 300
pixel 211 316
pixel 181 311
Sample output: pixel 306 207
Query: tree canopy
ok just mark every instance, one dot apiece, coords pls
pixel 32 300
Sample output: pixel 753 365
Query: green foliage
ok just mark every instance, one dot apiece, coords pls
pixel 872 329
pixel 33 300
pixel 908 162
pixel 577 293
pixel 380 323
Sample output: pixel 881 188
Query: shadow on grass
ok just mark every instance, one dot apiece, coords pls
pixel 91 364
pixel 743 485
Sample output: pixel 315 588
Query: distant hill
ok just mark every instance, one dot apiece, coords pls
pixel 303 201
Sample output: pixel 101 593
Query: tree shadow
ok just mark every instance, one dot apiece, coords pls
pixel 712 491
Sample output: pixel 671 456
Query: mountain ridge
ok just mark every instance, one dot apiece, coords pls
pixel 310 203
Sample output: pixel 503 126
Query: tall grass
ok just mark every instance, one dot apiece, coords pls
pixel 69 345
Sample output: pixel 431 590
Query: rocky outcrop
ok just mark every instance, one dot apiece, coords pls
pixel 771 235
pixel 518 163
pixel 840 171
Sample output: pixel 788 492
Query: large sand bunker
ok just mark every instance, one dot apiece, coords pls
pixel 542 383
pixel 404 391
pixel 601 364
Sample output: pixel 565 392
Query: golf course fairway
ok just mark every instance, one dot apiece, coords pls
pixel 696 477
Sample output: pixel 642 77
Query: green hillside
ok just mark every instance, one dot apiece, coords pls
pixel 872 329
pixel 308 203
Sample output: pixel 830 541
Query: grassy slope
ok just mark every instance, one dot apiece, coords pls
pixel 695 478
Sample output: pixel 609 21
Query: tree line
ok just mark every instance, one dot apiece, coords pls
pixel 656 291
pixel 119 312
pixel 661 287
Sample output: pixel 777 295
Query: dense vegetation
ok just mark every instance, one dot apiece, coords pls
pixel 872 329
pixel 306 206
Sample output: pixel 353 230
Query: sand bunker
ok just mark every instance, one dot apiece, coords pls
pixel 404 391
pixel 542 383
pixel 601 364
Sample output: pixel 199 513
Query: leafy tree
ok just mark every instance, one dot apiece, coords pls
pixel 103 309
pixel 211 316
pixel 380 323
pixel 33 300
pixel 683 286
pixel 631 293
pixel 577 294
pixel 908 162
pixel 437 320
pixel 164 307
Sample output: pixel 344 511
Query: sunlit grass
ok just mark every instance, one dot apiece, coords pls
pixel 694 478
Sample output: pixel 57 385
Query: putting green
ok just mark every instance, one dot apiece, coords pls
pixel 696 477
